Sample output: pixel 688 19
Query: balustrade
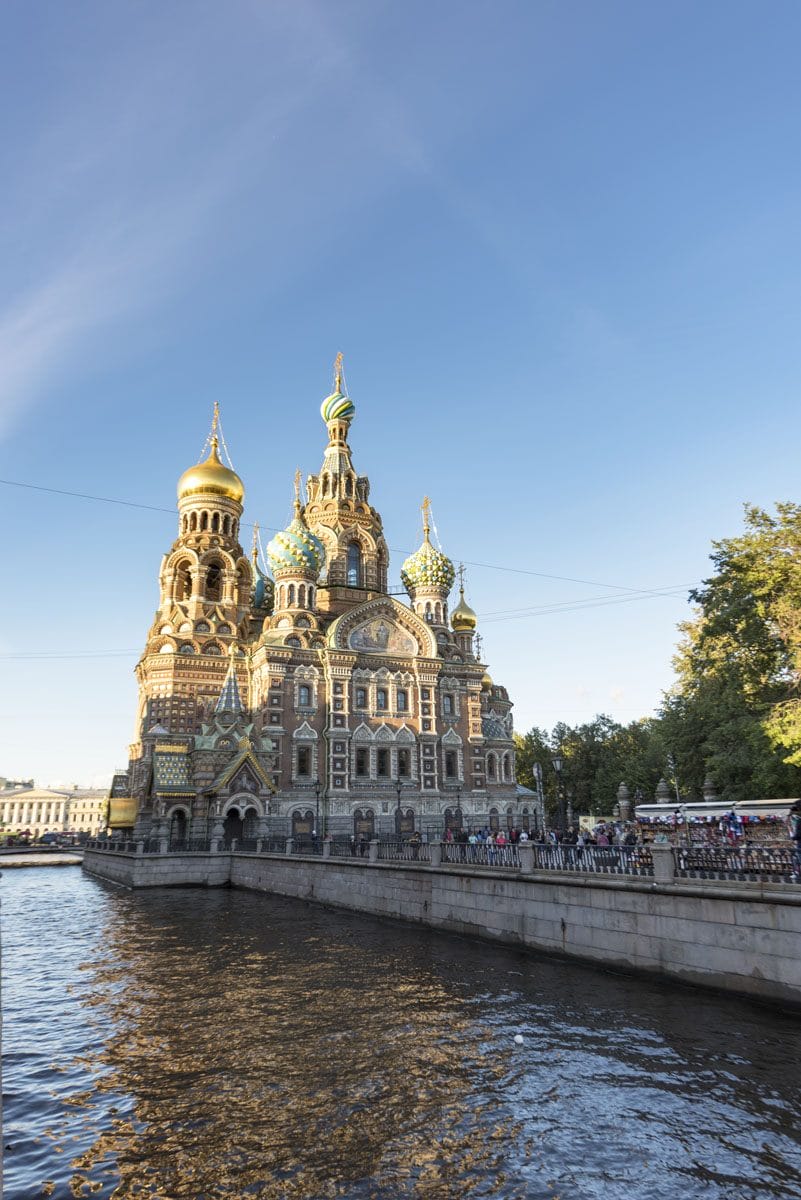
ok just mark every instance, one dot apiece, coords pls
pixel 751 863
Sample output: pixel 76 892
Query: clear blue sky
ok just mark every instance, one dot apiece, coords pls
pixel 558 243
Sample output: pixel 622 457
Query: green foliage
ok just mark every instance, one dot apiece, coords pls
pixel 735 711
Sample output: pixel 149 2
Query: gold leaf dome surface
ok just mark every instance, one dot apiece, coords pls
pixel 212 477
pixel 463 619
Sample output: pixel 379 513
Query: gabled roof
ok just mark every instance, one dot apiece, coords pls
pixel 245 756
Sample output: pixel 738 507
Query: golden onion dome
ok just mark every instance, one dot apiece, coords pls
pixel 211 477
pixel 463 619
pixel 486 680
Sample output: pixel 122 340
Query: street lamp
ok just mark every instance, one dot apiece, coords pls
pixel 398 813
pixel 316 807
pixel 558 762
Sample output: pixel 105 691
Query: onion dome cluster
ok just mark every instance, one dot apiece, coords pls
pixel 428 570
pixel 211 477
pixel 296 549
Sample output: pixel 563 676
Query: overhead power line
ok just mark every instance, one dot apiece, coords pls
pixel 618 587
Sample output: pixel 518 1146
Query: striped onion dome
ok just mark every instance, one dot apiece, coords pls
pixel 338 406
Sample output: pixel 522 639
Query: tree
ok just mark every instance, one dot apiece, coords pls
pixel 734 710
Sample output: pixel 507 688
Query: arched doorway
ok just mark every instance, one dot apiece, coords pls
pixel 178 824
pixel 453 819
pixel 249 823
pixel 525 820
pixel 510 818
pixel 232 826
pixel 495 823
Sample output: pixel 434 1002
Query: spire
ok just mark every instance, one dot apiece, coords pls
pixel 297 494
pixel 425 508
pixel 230 700
pixel 254 550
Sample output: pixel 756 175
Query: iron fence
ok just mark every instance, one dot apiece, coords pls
pixel 480 854
pixel 759 864
pixel 404 851
pixel 597 860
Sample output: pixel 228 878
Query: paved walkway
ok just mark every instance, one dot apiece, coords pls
pixel 32 859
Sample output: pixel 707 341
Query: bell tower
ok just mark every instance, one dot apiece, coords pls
pixel 205 587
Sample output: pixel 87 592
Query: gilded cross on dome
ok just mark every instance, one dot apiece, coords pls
pixel 425 508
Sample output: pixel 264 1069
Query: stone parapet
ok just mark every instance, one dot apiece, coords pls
pixel 738 937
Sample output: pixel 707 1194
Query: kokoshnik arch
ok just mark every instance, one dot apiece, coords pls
pixel 310 697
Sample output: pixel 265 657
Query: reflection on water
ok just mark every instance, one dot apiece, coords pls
pixel 186 1044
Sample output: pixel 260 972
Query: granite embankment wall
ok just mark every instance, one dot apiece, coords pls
pixel 740 937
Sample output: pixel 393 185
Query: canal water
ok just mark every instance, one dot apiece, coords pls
pixel 220 1044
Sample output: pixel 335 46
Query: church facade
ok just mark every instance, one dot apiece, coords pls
pixel 307 698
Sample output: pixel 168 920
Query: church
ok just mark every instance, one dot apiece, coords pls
pixel 300 695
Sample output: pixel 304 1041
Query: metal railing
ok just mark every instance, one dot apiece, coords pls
pixel 597 860
pixel 480 854
pixel 753 863
pixel 404 851
pixel 759 864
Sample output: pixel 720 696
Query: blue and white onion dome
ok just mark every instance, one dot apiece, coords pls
pixel 338 406
pixel 296 549
pixel 428 570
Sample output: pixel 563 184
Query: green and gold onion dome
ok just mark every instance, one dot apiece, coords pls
pixel 463 619
pixel 211 477
pixel 296 549
pixel 338 406
pixel 428 569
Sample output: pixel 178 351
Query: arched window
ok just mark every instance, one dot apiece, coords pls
pixel 204 521
pixel 490 766
pixel 301 596
pixel 349 487
pixel 402 698
pixel 183 581
pixel 214 581
pixel 304 695
pixel 507 767
pixel 226 525
pixel 215 523
pixel 193 522
pixel 291 596
pixel 354 565
pixel 381 698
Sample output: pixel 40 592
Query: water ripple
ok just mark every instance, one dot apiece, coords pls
pixel 196 1045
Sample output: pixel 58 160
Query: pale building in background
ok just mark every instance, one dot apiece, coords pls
pixel 24 807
